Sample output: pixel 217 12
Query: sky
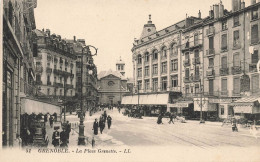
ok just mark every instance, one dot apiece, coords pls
pixel 112 25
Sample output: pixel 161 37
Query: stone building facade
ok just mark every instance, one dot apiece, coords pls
pixel 18 68
pixel 213 58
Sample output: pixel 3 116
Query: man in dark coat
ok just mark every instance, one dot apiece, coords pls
pixel 105 116
pixel 56 137
pixel 102 125
pixel 171 118
pixel 63 138
pixel 109 121
pixel 67 130
pixel 95 127
pixel 159 121
pixel 51 121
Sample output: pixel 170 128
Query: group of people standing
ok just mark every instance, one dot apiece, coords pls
pixel 102 123
pixel 171 116
pixel 61 138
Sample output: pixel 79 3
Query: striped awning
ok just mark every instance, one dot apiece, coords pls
pixel 247 109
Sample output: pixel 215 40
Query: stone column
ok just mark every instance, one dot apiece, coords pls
pixel 151 71
pixel 159 71
pixel 143 70
pixel 168 71
pixel 135 72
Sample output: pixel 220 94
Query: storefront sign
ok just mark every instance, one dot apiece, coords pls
pixel 179 105
pixel 221 100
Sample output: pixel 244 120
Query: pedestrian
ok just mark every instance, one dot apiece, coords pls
pixel 119 110
pixel 159 120
pixel 45 118
pixel 93 142
pixel 95 127
pixel 101 125
pixel 56 137
pixel 51 121
pixel 68 130
pixel 105 116
pixel 234 126
pixel 63 138
pixel 109 121
pixel 171 119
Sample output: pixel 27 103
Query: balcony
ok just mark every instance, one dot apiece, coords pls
pixel 196 78
pixel 196 44
pixel 253 67
pixel 49 70
pixel 196 61
pixel 223 71
pixel 57 85
pixel 69 86
pixel 236 70
pixel 39 69
pixel 186 79
pixel 186 62
pixel 210 52
pixel 210 31
pixel 175 89
pixel 39 82
pixel 212 93
pixel 236 93
pixel 210 73
pixel 48 83
pixel 224 93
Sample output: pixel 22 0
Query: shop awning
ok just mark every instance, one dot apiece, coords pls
pixel 30 106
pixel 243 109
pixel 251 99
pixel 248 105
pixel 149 99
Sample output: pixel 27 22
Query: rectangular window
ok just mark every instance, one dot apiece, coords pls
pixel 236 20
pixel 236 86
pixel 196 39
pixel 236 41
pixel 164 83
pixel 139 74
pixel 224 62
pixel 197 89
pixel 254 34
pixel 139 86
pixel 187 73
pixel 224 42
pixel 224 84
pixel 175 65
pixel 211 86
pixel 197 71
pixel 146 72
pixel 155 84
pixel 224 25
pixel 164 67
pixel 236 61
pixel 222 110
pixel 255 13
pixel 155 69
pixel 147 84
pixel 211 42
pixel 211 62
pixel 255 58
pixel 187 89
pixel 255 83
pixel 175 81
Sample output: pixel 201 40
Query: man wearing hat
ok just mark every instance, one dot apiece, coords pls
pixel 95 127
pixel 63 138
pixel 56 137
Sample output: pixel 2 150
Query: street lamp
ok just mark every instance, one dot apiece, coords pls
pixel 200 103
pixel 90 67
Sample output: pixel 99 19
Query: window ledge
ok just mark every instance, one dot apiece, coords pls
pixel 252 44
pixel 223 50
pixel 254 19
pixel 236 25
pixel 224 29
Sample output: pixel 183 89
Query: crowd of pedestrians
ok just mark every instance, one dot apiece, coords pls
pixel 61 138
pixel 101 124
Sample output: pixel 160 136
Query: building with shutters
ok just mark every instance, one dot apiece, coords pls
pixel 18 67
pixel 214 57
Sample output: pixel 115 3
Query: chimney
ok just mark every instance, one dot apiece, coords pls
pixel 216 11
pixel 221 9
pixel 48 32
pixel 253 2
pixel 235 4
pixel 199 14
pixel 243 5
pixel 74 37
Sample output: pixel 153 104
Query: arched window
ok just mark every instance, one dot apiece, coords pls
pixel 173 49
pixel 155 54
pixel 164 51
pixel 146 56
pixel 139 59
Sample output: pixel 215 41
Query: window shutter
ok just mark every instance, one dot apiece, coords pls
pixel 224 85
pixel 254 33
pixel 236 85
pixel 224 62
pixel 255 82
pixel 236 60
pixel 211 42
pixel 224 41
pixel 255 57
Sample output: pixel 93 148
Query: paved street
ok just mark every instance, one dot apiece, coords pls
pixel 146 132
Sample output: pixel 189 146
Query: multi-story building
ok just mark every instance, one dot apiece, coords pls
pixel 55 65
pixel 18 68
pixel 89 76
pixel 214 58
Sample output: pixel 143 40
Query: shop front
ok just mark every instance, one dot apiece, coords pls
pixel 224 107
pixel 182 108
pixel 248 108
pixel 209 109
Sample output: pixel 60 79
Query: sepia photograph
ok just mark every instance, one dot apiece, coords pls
pixel 132 80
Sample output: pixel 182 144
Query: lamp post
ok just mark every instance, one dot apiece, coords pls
pixel 200 103
pixel 90 66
